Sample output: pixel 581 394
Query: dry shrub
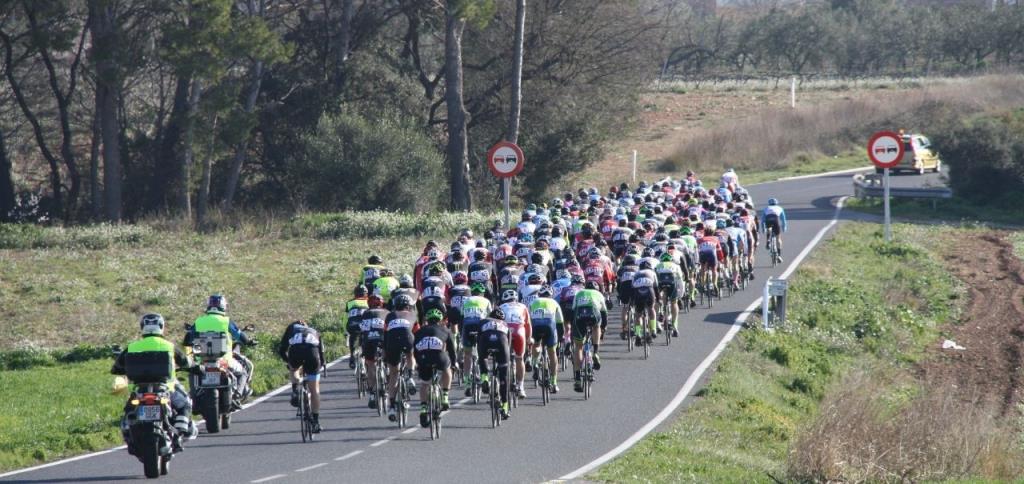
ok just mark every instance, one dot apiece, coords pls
pixel 866 431
pixel 773 139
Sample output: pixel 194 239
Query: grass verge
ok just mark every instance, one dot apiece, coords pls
pixel 858 306
pixel 955 210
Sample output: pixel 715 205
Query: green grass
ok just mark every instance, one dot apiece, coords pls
pixel 66 295
pixel 808 165
pixel 954 210
pixel 855 301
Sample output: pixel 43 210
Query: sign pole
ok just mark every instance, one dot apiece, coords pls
pixel 885 185
pixel 506 188
pixel 634 166
pixel 792 93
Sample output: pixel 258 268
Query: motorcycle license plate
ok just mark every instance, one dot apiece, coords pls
pixel 211 378
pixel 149 413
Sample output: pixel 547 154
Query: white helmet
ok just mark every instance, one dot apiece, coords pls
pixel 152 324
pixel 510 295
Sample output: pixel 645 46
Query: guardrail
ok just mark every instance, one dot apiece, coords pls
pixel 871 186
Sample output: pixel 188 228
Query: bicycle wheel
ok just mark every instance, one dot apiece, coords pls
pixel 645 334
pixel 668 323
pixel 360 379
pixel 382 399
pixel 545 392
pixel 304 428
pixel 492 401
pixel 400 402
pixel 630 331
pixel 513 393
pixel 435 410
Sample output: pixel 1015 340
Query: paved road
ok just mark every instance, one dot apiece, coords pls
pixel 537 444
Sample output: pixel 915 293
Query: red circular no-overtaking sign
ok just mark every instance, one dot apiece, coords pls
pixel 505 159
pixel 885 149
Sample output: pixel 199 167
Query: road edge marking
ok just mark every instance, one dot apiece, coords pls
pixel 698 372
pixel 258 401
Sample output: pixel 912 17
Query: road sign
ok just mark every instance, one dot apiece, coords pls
pixel 885 149
pixel 777 287
pixel 505 159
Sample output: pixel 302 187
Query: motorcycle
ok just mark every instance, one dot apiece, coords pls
pixel 146 424
pixel 212 385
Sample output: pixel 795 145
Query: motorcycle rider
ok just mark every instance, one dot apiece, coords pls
pixel 216 320
pixel 152 341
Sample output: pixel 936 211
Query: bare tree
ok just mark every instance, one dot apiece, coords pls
pixel 458 148
pixel 512 134
pixel 105 39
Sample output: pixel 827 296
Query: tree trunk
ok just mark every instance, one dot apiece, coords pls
pixel 241 151
pixel 186 155
pixel 457 137
pixel 95 198
pixel 167 182
pixel 6 182
pixel 108 93
pixel 512 134
pixel 344 47
pixel 203 200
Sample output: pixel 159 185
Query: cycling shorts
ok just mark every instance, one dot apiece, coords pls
pixel 517 333
pixel 772 224
pixel 544 332
pixel 579 330
pixel 470 329
pixel 643 298
pixel 307 357
pixel 625 290
pixel 429 361
pixel 353 328
pixel 670 289
pixel 370 348
pixel 708 258
pixel 493 340
pixel 395 342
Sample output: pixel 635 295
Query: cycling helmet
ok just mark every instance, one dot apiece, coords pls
pixel 434 315
pixel 511 259
pixel 152 324
pixel 375 260
pixel 435 270
pixel 477 289
pixel 592 285
pixel 510 295
pixel 402 301
pixel 534 279
pixel 217 303
pixel 497 313
pixel 360 291
pixel 594 254
pixel 375 301
pixel 645 264
pixel 467 233
pixel 545 291
pixel 720 224
pixel 460 278
pixel 537 258
pixel 686 231
pixel 386 272
pixel 648 252
pixel 666 257
pixel 629 260
pixel 773 201
pixel 577 279
pixel 405 281
pixel 479 255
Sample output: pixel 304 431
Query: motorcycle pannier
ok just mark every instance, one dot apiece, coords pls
pixel 212 344
pixel 149 367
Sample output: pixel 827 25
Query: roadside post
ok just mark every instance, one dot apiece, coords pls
pixel 505 160
pixel 634 166
pixel 773 303
pixel 885 149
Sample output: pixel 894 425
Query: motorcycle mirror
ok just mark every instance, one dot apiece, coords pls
pixel 249 327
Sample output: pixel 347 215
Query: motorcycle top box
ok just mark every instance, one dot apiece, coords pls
pixel 149 367
pixel 211 344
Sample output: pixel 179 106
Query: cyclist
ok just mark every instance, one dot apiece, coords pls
pixel 494 337
pixel 645 296
pixel 474 310
pixel 546 318
pixel 517 315
pixel 589 311
pixel 729 249
pixel 153 342
pixel 457 296
pixel 739 240
pixel 774 220
pixel 670 282
pixel 625 287
pixel 303 351
pixel 372 328
pixel 398 338
pixel 385 283
pixel 405 288
pixel 354 309
pixel 709 253
pixel 434 351
pixel 215 320
pixel 371 271
pixel 480 272
pixel 533 283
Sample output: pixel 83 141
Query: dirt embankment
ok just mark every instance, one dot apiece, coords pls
pixel 991 330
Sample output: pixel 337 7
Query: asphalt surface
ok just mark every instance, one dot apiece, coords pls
pixel 537 444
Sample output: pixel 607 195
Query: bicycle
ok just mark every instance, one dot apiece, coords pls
pixel 630 327
pixel 707 288
pixel 305 412
pixel 513 390
pixel 542 376
pixel 666 314
pixel 773 248
pixel 402 392
pixel 642 330
pixel 381 381
pixel 587 372
pixel 493 399
pixel 434 399
pixel 360 374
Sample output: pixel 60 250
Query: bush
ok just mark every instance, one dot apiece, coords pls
pixel 379 223
pixel 95 237
pixel 986 158
pixel 352 162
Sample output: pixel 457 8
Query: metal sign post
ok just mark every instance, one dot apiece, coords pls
pixel 506 160
pixel 885 149
pixel 634 166
pixel 885 188
pixel 505 189
pixel 773 303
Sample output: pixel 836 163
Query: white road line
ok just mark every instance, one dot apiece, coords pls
pixel 349 455
pixel 411 430
pixel 462 402
pixel 200 422
pixel 268 478
pixel 382 442
pixel 314 466
pixel 816 175
pixel 704 365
